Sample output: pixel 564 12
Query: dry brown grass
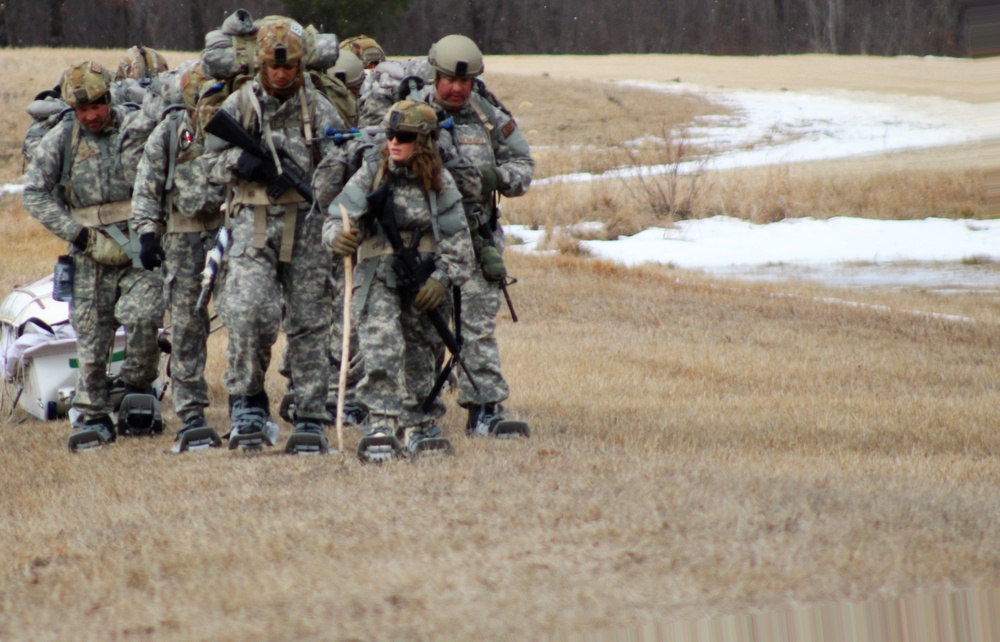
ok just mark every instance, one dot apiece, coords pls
pixel 699 448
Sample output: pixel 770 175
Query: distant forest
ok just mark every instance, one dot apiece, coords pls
pixel 408 27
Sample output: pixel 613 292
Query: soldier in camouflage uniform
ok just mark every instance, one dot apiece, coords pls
pixel 137 76
pixel 486 134
pixel 276 256
pixel 75 186
pixel 400 345
pixel 366 49
pixel 176 213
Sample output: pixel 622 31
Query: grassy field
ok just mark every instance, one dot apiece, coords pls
pixel 700 448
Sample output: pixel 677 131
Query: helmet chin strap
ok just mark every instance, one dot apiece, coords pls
pixel 281 92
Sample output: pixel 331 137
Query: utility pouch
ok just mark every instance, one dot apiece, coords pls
pixel 62 279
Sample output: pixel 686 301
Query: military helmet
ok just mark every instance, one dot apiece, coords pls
pixel 84 83
pixel 456 56
pixel 142 64
pixel 280 41
pixel 365 48
pixel 413 116
pixel 349 69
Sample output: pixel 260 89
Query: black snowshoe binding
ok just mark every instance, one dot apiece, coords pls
pixel 196 435
pixel 379 445
pixel 308 439
pixel 91 434
pixel 487 420
pixel 354 414
pixel 286 410
pixel 426 442
pixel 252 427
pixel 139 415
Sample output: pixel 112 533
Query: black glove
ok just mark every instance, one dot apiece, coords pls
pixel 81 240
pixel 254 169
pixel 151 253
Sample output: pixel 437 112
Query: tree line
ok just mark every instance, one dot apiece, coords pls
pixel 407 27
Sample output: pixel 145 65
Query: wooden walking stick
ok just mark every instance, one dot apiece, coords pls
pixel 345 344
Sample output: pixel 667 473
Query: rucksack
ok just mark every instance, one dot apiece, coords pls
pixel 47 110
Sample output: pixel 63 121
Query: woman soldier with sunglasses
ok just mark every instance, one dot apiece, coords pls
pixel 399 342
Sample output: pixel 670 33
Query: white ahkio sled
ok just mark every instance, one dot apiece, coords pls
pixel 38 355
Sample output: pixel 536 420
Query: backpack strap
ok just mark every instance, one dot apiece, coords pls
pixel 71 142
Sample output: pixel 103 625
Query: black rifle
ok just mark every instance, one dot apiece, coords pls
pixel 412 272
pixel 228 129
pixel 445 371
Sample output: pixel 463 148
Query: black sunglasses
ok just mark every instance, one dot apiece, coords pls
pixel 401 137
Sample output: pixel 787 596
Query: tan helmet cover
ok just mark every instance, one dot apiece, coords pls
pixel 365 48
pixel 192 78
pixel 349 69
pixel 456 56
pixel 411 116
pixel 141 62
pixel 280 41
pixel 84 83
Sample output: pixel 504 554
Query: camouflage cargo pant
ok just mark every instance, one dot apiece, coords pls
pixel 480 304
pixel 356 367
pixel 401 349
pixel 105 298
pixel 185 259
pixel 258 288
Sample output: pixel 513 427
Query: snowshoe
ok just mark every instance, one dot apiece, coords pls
pixel 378 446
pixel 139 414
pixel 308 439
pixel 487 420
pixel 252 429
pixel 196 435
pixel 91 434
pixel 424 442
pixel 511 429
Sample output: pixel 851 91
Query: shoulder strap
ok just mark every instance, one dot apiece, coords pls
pixel 175 123
pixel 69 151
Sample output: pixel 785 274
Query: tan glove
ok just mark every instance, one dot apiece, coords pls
pixel 430 295
pixel 345 243
pixel 105 251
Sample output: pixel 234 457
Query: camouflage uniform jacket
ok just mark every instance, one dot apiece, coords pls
pixel 488 137
pixel 453 257
pixel 191 195
pixel 283 119
pixel 96 175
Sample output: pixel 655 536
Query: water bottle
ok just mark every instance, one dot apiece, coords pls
pixel 62 279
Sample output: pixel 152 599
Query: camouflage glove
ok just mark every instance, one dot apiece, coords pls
pixel 491 262
pixel 254 169
pixel 346 242
pixel 105 251
pixel 430 295
pixel 151 253
pixel 491 181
